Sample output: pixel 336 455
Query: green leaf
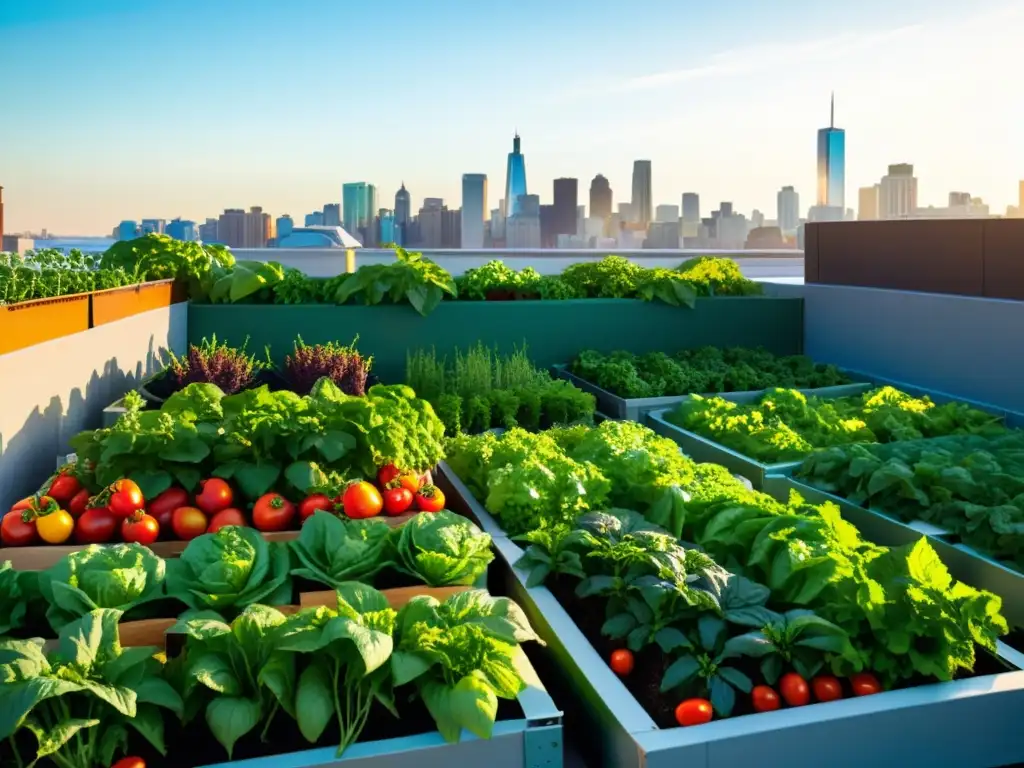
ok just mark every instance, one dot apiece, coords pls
pixel 113 742
pixel 213 671
pixel 736 679
pixel 189 450
pixel 51 739
pixel 158 692
pixel 305 475
pixel 722 696
pixel 278 675
pixel 671 639
pixel 149 722
pixel 406 666
pixel 710 628
pixel 751 644
pixel 230 718
pixel 314 701
pixel 254 480
pixel 151 482
pixel 619 626
pixel 473 705
pixel 679 672
pixel 21 698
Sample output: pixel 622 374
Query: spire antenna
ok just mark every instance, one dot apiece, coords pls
pixel 832 115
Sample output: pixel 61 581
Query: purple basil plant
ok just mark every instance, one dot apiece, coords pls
pixel 341 364
pixel 230 368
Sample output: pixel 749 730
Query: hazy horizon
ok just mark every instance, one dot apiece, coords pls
pixel 130 109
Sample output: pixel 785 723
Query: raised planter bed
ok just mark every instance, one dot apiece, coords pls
pixel 33 322
pixel 115 304
pixel 964 723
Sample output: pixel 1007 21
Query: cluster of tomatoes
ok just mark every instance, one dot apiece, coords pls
pixel 793 690
pixel 63 510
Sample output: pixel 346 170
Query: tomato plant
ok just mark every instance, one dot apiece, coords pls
pixel 386 474
pixel 140 528
pixel 55 527
pixel 397 500
pixel 794 690
pixel 694 712
pixel 63 488
pixel 226 517
pixel 95 526
pixel 272 512
pixel 314 503
pixel 621 662
pixel 430 498
pixel 162 507
pixel 188 522
pixel 865 684
pixel 125 498
pixel 765 699
pixel 214 495
pixel 79 503
pixel 827 688
pixel 362 500
pixel 15 531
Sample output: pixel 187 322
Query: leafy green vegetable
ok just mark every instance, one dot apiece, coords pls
pixel 159 257
pixel 477 283
pixel 121 576
pixel 410 277
pixel 331 551
pixel 48 273
pixel 705 661
pixel 229 570
pixel 442 549
pixel 245 282
pixel 16 590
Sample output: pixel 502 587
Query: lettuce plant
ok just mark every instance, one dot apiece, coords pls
pixel 229 570
pixel 14 598
pixel 121 576
pixel 442 549
pixel 331 551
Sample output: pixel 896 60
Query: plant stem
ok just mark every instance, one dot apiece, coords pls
pixel 270 719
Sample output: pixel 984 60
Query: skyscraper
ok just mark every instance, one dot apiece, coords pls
pixel 403 206
pixel 127 230
pixel 788 201
pixel 285 225
pixel 897 196
pixel 208 231
pixel 832 164
pixel 152 226
pixel 600 198
pixel 642 191
pixel 331 216
pixel 515 178
pixel 231 228
pixel 181 230
pixel 867 203
pixel 359 201
pixel 691 208
pixel 566 193
pixel 522 230
pixel 474 209
pixel 315 219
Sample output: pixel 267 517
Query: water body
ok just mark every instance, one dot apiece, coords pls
pixel 85 244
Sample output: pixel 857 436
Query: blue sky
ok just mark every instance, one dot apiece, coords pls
pixel 136 108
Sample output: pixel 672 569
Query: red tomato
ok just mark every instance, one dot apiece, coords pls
pixel 214 495
pixel 63 488
pixel 621 662
pixel 386 474
pixel 864 684
pixel 430 498
pixel 315 503
pixel 130 762
pixel 362 500
pixel 36 504
pixel 162 507
pixel 794 690
pixel 694 712
pixel 765 699
pixel 226 517
pixel 827 688
pixel 15 532
pixel 125 498
pixel 409 481
pixel 397 500
pixel 140 528
pixel 95 526
pixel 188 522
pixel 79 503
pixel 26 503
pixel 272 512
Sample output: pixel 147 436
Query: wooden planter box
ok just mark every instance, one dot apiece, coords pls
pixel 115 304
pixel 34 322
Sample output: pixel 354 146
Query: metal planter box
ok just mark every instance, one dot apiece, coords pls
pixel 965 564
pixel 967 723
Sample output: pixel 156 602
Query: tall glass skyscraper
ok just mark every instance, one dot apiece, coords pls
pixel 642 191
pixel 359 200
pixel 515 179
pixel 474 209
pixel 832 164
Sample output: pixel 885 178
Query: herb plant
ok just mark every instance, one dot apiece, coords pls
pixel 495 277
pixel 232 369
pixel 49 273
pixel 341 364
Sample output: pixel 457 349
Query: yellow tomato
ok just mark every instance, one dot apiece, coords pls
pixel 56 527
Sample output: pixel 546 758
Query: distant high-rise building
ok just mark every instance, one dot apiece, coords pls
pixel 756 219
pixel 331 216
pixel 788 213
pixel 548 235
pixel 581 218
pixel 152 226
pixel 959 198
pixel 315 219
pixel 403 210
pixel 258 228
pixel 667 213
pixel 431 223
pixel 127 230
pixel 451 228
pixel 181 230
pixel 208 231
pixel 474 209
pixel 832 164
pixel 389 231
pixel 285 225
pixel 600 198
pixel 565 194
pixel 627 212
pixel 897 197
pixel 515 178
pixel 231 228
pixel 867 203
pixel 360 203
pixel 522 230
pixel 691 207
pixel 642 191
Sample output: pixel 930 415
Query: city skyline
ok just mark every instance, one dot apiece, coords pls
pixel 731 116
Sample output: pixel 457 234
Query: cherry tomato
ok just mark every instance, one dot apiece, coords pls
pixel 765 699
pixel 315 503
pixel 430 498
pixel 15 532
pixel 130 762
pixel 694 712
pixel 226 517
pixel 621 662
pixel 63 488
pixel 272 512
pixel 140 528
pixel 162 507
pixel 188 522
pixel 79 503
pixel 386 474
pixel 214 495
pixel 794 690
pixel 125 498
pixel 95 526
pixel 409 481
pixel 55 527
pixel 397 500
pixel 362 500
pixel 827 688
pixel 864 684
pixel 26 503
pixel 36 505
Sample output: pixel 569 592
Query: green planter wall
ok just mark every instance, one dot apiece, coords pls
pixel 554 331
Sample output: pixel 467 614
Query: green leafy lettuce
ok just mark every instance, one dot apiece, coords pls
pixel 332 551
pixel 442 549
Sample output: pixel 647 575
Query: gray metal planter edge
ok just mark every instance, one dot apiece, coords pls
pixel 964 723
